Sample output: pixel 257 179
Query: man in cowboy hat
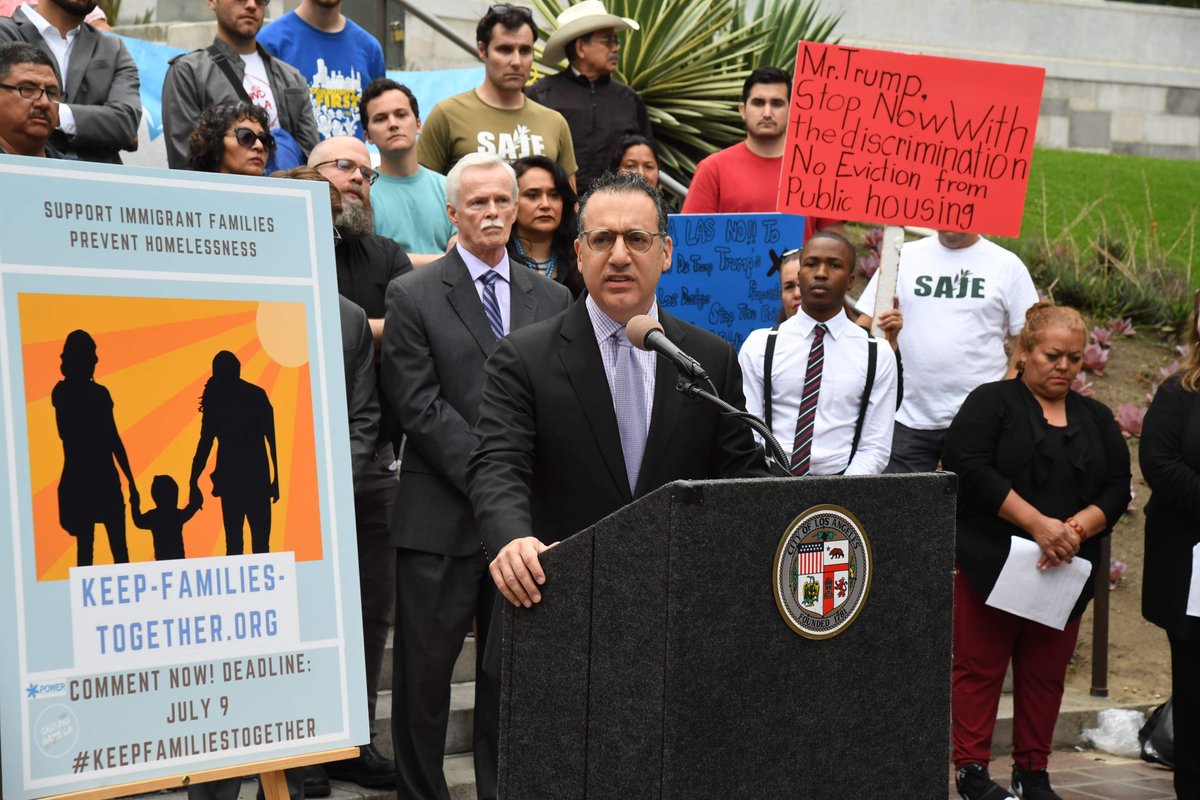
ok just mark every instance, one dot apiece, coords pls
pixel 598 109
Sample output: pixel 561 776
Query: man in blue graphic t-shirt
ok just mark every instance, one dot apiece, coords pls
pixel 336 56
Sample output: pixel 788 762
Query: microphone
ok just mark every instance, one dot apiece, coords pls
pixel 645 333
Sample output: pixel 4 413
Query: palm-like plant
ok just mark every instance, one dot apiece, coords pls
pixel 690 58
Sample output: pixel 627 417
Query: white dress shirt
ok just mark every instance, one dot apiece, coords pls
pixel 61 48
pixel 843 378
pixel 478 269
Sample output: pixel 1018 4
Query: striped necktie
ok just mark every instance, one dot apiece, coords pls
pixel 805 421
pixel 490 306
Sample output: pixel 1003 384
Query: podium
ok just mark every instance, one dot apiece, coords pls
pixel 660 665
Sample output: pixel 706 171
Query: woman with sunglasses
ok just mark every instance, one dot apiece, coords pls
pixel 232 139
pixel 543 237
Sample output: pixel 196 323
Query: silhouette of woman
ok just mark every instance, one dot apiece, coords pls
pixel 89 490
pixel 239 417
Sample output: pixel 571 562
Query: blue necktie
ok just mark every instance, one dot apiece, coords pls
pixel 490 306
pixel 629 401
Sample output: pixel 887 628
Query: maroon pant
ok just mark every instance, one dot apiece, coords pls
pixel 985 639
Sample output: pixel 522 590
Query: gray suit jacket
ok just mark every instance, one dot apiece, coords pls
pixel 435 340
pixel 102 89
pixel 362 401
pixel 194 82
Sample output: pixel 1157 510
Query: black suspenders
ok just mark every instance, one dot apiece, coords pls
pixel 872 357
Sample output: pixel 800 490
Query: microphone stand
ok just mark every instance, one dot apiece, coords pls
pixel 691 387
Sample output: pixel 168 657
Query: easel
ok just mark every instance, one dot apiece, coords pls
pixel 274 785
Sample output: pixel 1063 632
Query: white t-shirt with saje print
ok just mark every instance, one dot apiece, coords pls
pixel 959 307
pixel 258 86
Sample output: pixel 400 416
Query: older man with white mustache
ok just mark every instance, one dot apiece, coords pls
pixel 442 322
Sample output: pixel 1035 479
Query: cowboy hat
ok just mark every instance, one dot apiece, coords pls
pixel 578 20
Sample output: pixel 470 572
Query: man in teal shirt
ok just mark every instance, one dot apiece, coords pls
pixel 409 200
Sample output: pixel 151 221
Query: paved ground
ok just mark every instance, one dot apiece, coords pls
pixel 1089 775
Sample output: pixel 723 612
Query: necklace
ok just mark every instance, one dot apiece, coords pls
pixel 545 266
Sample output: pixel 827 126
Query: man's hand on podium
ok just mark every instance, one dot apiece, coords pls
pixel 517 572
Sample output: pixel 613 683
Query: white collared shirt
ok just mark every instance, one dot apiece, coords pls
pixel 61 48
pixel 478 269
pixel 604 327
pixel 843 378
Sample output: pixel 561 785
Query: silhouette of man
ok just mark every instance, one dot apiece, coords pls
pixel 239 417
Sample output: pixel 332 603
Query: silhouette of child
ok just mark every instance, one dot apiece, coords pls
pixel 166 520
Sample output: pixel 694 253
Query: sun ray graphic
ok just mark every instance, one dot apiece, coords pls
pixel 154 356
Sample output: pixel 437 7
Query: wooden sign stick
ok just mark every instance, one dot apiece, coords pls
pixel 889 265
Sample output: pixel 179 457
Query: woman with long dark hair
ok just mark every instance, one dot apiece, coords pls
pixel 89 490
pixel 543 237
pixel 238 417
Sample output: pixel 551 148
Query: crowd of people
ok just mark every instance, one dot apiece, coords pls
pixel 487 267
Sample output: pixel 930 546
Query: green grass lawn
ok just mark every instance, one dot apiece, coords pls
pixel 1139 199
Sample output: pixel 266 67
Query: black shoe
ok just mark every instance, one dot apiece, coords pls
pixel 370 769
pixel 316 781
pixel 974 783
pixel 1032 785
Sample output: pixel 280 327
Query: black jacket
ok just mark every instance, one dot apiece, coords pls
pixel 597 113
pixel 997 442
pixel 1170 458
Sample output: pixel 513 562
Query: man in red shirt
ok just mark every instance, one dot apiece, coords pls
pixel 744 179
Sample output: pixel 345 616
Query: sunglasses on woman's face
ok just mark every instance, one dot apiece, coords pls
pixel 246 138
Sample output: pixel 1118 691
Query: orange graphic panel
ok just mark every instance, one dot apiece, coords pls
pixel 133 382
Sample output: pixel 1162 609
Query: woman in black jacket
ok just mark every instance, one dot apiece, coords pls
pixel 1035 461
pixel 1170 457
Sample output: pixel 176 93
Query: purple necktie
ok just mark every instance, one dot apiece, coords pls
pixel 629 401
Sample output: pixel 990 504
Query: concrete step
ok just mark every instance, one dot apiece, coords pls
pixel 458 729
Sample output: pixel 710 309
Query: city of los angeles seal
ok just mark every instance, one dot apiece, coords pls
pixel 822 572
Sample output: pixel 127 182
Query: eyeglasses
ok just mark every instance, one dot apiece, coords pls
pixel 31 92
pixel 636 241
pixel 348 166
pixel 503 8
pixel 247 137
pixel 612 40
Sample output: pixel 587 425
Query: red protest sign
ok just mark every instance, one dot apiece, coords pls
pixel 900 139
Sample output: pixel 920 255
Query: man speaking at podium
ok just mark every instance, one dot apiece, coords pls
pixel 574 421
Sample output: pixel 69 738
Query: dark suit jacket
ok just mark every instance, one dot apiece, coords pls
pixel 1170 457
pixel 435 340
pixel 362 401
pixel 549 460
pixel 102 89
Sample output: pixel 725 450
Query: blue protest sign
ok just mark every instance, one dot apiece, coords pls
pixel 718 278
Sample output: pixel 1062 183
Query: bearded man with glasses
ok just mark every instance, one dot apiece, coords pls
pixel 29 97
pixel 366 264
pixel 575 423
